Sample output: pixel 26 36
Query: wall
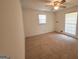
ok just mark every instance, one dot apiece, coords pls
pixel 12 41
pixel 31 22
pixel 60 18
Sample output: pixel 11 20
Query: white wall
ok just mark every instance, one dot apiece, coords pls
pixel 31 22
pixel 60 18
pixel 12 41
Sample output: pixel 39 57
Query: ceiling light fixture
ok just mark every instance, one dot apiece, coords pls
pixel 56 7
pixel 56 4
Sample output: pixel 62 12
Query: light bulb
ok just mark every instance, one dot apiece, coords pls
pixel 56 7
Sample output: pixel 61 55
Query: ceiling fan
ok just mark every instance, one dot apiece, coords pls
pixel 56 4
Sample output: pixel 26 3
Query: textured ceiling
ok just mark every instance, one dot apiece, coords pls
pixel 41 4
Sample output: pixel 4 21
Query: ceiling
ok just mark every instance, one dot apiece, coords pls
pixel 41 4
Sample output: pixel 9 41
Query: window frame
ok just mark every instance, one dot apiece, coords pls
pixel 70 34
pixel 76 25
pixel 41 19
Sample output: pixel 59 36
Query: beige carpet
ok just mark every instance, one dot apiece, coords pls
pixel 51 46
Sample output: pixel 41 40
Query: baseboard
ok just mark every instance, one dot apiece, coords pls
pixel 39 34
pixel 67 34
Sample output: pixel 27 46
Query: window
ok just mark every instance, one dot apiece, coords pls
pixel 42 19
pixel 70 22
